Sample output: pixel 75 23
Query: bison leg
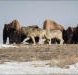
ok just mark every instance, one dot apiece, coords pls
pixel 4 37
pixel 10 40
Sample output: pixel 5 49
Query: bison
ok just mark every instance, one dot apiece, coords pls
pixel 52 25
pixel 8 30
pixel 70 35
pixel 20 35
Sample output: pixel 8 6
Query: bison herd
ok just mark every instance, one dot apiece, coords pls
pixel 50 33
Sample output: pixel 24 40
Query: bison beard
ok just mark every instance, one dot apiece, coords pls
pixel 8 33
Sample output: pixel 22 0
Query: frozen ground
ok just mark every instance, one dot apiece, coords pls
pixel 35 67
pixel 29 59
pixel 7 46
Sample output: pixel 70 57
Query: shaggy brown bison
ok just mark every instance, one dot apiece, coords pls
pixel 20 35
pixel 8 30
pixel 51 25
pixel 70 35
pixel 75 35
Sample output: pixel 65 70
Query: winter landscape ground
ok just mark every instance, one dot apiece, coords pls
pixel 47 59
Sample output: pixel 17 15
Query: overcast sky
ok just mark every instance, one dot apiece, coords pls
pixel 35 12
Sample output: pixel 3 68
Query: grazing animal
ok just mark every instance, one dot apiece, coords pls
pixel 53 41
pixel 42 34
pixel 17 36
pixel 8 30
pixel 54 34
pixel 68 35
pixel 20 35
pixel 32 33
pixel 51 25
pixel 75 35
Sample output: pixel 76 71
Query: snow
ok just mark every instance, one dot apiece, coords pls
pixel 7 46
pixel 33 67
pixel 30 68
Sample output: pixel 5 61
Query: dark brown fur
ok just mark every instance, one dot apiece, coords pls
pixel 70 35
pixel 21 35
pixel 8 31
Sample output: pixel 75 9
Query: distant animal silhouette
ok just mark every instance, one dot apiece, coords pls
pixel 20 35
pixel 52 25
pixel 68 35
pixel 8 30
pixel 54 34
pixel 75 35
pixel 32 32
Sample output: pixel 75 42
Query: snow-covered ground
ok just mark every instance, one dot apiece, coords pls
pixel 7 46
pixel 35 67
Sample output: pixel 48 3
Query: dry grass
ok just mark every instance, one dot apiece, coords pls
pixel 63 63
pixel 60 55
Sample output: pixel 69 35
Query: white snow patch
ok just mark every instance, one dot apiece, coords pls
pixel 7 46
pixel 29 68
